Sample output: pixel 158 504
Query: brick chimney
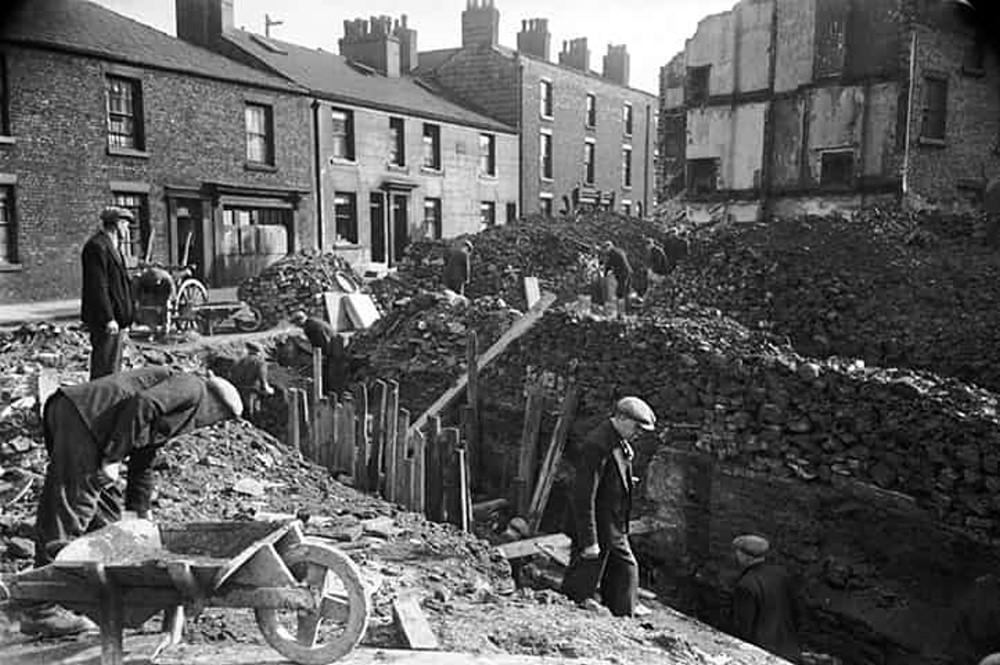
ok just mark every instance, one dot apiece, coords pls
pixel 616 64
pixel 576 55
pixel 372 44
pixel 407 45
pixel 534 38
pixel 203 22
pixel 480 23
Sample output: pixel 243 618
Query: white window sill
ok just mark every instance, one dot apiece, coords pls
pixel 343 161
pixel 492 177
pixel 397 168
pixel 346 244
pixel 546 117
pixel 937 143
pixel 260 166
pixel 430 170
pixel 128 152
pixel 7 140
pixel 11 267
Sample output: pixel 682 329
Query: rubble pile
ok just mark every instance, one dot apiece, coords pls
pixel 893 288
pixel 735 394
pixel 561 252
pixel 296 282
pixel 422 343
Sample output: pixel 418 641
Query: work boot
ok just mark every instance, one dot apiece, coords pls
pixel 54 621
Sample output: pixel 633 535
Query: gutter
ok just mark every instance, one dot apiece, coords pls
pixel 909 111
pixel 318 167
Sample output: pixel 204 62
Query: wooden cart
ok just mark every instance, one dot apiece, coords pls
pixel 308 597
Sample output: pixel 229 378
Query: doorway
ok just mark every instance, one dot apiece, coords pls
pixel 188 242
pixel 376 217
pixel 400 226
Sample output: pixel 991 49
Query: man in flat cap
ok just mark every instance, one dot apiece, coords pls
pixel 765 607
pixel 322 335
pixel 106 305
pixel 249 375
pixel 615 262
pixel 89 430
pixel 458 267
pixel 601 500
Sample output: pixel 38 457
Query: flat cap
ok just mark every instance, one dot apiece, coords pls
pixel 298 317
pixel 227 394
pixel 114 213
pixel 637 410
pixel 751 544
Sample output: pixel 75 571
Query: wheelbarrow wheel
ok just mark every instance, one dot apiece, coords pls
pixel 337 625
pixel 249 320
pixel 190 294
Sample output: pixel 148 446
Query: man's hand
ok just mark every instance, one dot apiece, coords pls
pixel 112 327
pixel 590 552
pixel 111 471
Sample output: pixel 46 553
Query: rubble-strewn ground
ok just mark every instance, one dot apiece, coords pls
pixel 234 471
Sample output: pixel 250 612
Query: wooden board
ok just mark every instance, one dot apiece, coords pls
pixel 361 310
pixel 344 435
pixel 418 479
pixel 547 474
pixel 532 292
pixel 530 546
pixel 378 405
pixel 401 493
pixel 391 449
pixel 519 328
pixel 528 459
pixel 433 485
pixel 294 407
pixel 336 313
pixel 413 623
pixel 361 441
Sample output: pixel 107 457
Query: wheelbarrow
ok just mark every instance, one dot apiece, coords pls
pixel 308 597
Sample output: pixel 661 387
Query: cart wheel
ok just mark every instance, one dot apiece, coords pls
pixel 322 636
pixel 249 319
pixel 190 294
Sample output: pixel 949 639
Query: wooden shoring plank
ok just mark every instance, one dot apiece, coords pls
pixel 413 623
pixel 361 441
pixel 323 427
pixel 345 434
pixel 401 493
pixel 379 401
pixel 294 431
pixel 472 400
pixel 528 458
pixel 547 474
pixel 418 477
pixel 433 487
pixel 519 327
pixel 391 449
pixel 450 437
pixel 464 500
pixel 317 375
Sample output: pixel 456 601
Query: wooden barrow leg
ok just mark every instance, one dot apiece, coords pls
pixel 111 611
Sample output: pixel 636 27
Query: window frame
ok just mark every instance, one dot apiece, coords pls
pixel 397 141
pixel 546 104
pixel 433 132
pixel 9 222
pixel 491 220
pixel 350 198
pixel 698 95
pixel 628 119
pixel 135 113
pixel 545 157
pixel 546 205
pixel 5 129
pixel 974 57
pixel 826 166
pixel 589 161
pixel 689 177
pixel 349 152
pixel 490 168
pixel 139 228
pixel 433 203
pixel 627 166
pixel 267 136
pixel 590 119
pixel 927 138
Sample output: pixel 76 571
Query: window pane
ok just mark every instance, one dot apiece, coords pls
pixel 345 215
pixel 342 140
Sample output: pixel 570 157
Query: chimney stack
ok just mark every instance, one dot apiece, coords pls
pixel 616 64
pixel 480 24
pixel 203 22
pixel 372 44
pixel 408 57
pixel 576 55
pixel 534 38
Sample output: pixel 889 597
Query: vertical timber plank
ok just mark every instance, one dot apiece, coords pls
pixel 433 487
pixel 378 436
pixel 362 443
pixel 346 435
pixel 418 471
pixel 294 431
pixel 528 458
pixel 402 477
pixel 449 475
pixel 391 442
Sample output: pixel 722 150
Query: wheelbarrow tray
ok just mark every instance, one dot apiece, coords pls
pixel 223 564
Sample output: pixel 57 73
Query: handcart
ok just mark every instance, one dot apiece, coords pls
pixel 308 597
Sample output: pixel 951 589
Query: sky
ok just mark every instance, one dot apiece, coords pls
pixel 653 30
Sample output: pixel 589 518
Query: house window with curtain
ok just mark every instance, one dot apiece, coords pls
pixel 342 134
pixel 626 166
pixel 260 134
pixel 432 147
pixel 8 226
pixel 545 153
pixel 545 102
pixel 589 157
pixel 345 213
pixel 591 110
pixel 124 106
pixel 432 218
pixel 487 154
pixel 397 142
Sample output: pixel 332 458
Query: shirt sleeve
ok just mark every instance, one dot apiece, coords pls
pixel 139 490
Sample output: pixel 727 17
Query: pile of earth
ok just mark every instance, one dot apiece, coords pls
pixel 894 288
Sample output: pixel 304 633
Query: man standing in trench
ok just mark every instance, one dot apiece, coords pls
pixel 765 607
pixel 601 499
pixel 89 430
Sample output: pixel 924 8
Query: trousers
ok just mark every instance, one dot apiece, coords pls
pixel 74 498
pixel 105 353
pixel 614 573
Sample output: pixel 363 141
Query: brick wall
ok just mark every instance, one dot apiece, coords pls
pixel 972 124
pixel 484 78
pixel 459 184
pixel 194 131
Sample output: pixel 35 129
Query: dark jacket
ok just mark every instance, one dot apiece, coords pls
pixel 602 489
pixel 249 375
pixel 457 268
pixel 132 414
pixel 107 290
pixel 658 260
pixel 765 610
pixel 319 333
pixel 976 633
pixel 617 262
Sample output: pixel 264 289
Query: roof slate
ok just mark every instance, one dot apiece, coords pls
pixel 86 27
pixel 331 76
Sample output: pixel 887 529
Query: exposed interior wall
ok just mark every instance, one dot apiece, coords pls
pixel 753 22
pixel 713 44
pixel 734 136
pixel 794 43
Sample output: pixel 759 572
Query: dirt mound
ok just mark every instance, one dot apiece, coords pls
pixel 893 288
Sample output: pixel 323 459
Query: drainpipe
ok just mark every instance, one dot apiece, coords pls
pixel 646 155
pixel 909 111
pixel 318 167
pixel 767 159
pixel 521 140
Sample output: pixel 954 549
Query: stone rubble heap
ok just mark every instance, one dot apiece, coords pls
pixel 736 394
pixel 893 288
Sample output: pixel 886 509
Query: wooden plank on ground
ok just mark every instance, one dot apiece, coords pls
pixel 401 493
pixel 546 477
pixel 419 469
pixel 413 623
pixel 530 546
pixel 433 486
pixel 521 326
pixel 361 441
pixel 528 458
pixel 378 407
pixel 391 441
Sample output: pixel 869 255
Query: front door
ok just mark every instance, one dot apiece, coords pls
pixel 188 242
pixel 376 216
pixel 400 226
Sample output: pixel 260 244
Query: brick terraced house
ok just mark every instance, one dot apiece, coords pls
pixel 97 109
pixel 586 138
pixel 394 159
pixel 786 106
